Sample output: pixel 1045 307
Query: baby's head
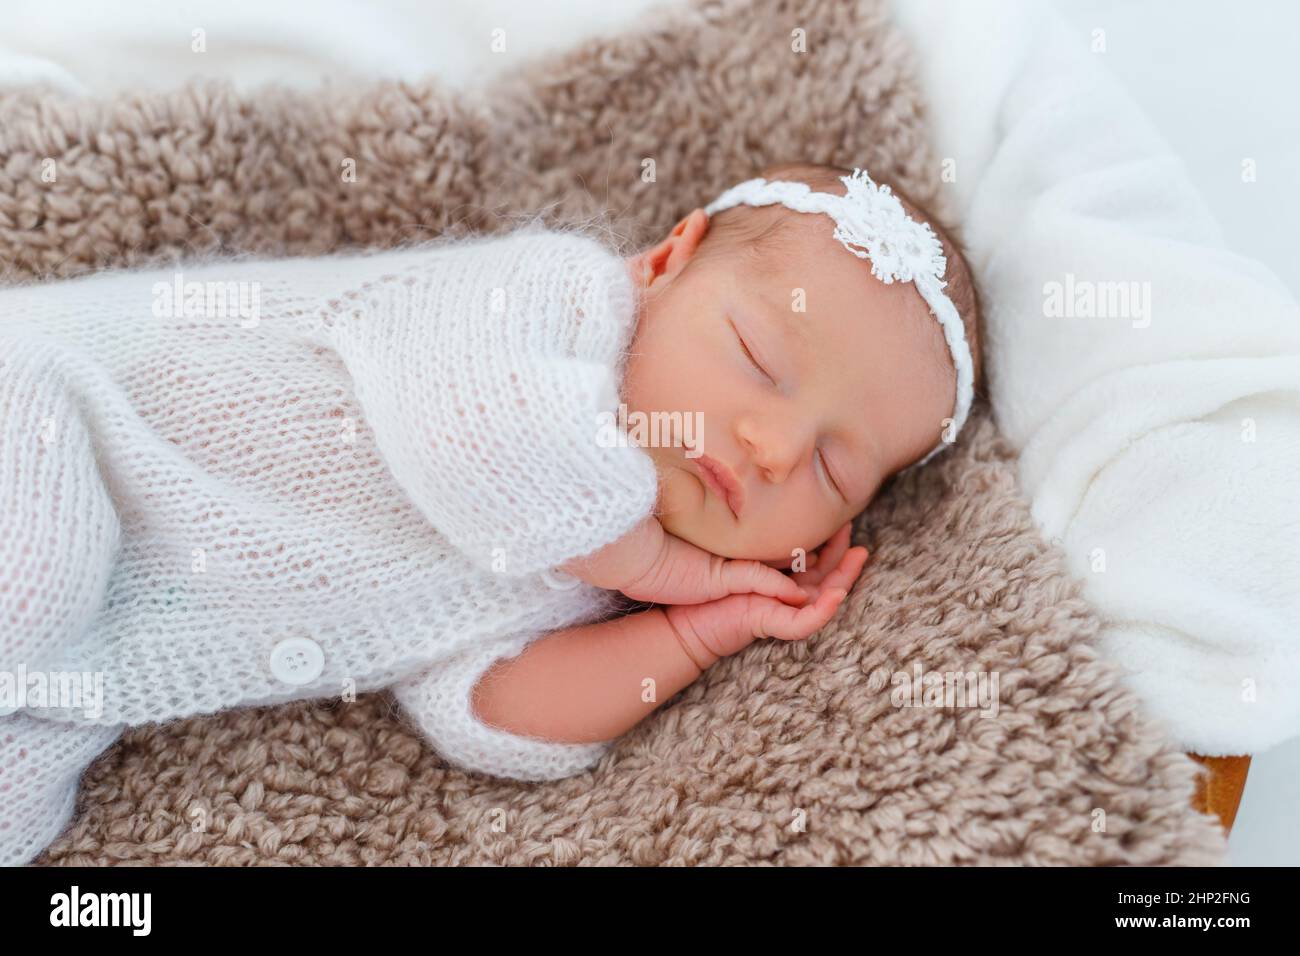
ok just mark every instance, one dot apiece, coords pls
pixel 813 380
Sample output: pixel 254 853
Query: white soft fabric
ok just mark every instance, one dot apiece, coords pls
pixel 392 461
pixel 1161 450
pixel 41 762
pixel 92 48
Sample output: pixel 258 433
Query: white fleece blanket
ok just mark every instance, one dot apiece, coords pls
pixel 1160 435
pixel 93 48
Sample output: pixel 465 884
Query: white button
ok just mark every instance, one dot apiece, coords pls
pixel 6 711
pixel 559 580
pixel 297 660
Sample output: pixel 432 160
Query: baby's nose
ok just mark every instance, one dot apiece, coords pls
pixel 774 446
pixel 777 456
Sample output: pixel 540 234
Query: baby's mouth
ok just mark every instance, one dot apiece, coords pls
pixel 721 480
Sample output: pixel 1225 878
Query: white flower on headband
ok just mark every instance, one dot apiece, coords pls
pixel 872 219
pixel 871 223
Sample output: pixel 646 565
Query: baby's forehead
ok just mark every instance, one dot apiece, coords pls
pixel 803 245
pixel 832 301
pixel 805 256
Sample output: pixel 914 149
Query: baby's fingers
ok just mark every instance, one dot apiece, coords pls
pixel 850 566
pixel 753 577
pixel 794 624
pixel 825 559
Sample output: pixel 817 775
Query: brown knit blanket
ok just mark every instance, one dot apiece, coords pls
pixel 785 754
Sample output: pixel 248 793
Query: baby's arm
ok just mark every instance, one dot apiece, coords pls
pixel 589 683
pixel 649 564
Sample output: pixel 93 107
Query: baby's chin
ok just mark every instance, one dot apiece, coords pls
pixel 696 529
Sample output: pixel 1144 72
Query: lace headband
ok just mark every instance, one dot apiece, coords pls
pixel 871 223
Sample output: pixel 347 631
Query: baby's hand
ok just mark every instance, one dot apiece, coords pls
pixel 685 574
pixel 649 564
pixel 719 628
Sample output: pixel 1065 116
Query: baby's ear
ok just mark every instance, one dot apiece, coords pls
pixel 669 256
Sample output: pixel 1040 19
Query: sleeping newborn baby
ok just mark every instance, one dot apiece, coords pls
pixel 254 482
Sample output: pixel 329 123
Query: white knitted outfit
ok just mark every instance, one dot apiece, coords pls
pixel 370 486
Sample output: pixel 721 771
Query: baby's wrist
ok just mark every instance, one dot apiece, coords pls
pixel 690 628
pixel 622 562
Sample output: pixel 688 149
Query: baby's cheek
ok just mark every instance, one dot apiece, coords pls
pixel 682 513
pixel 796 538
pixel 672 504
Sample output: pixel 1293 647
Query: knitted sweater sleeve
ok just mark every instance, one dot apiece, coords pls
pixel 501 363
pixel 439 701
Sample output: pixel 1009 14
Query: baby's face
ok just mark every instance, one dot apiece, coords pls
pixel 808 412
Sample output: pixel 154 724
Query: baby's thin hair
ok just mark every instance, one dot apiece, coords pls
pixel 600 226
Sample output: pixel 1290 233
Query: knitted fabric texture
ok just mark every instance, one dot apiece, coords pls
pixel 959 580
pixel 387 458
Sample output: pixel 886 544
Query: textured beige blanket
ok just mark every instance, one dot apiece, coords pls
pixel 786 754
